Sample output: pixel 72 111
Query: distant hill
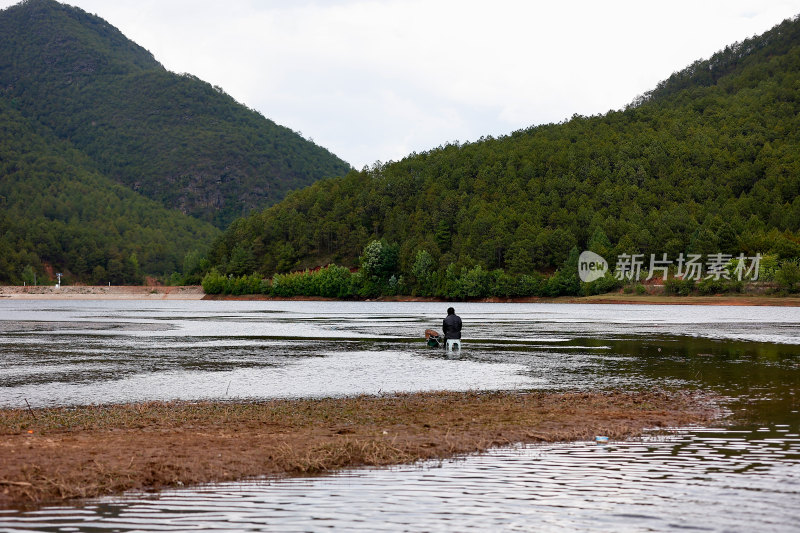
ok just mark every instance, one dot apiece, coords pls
pixel 111 167
pixel 57 213
pixel 709 161
pixel 170 137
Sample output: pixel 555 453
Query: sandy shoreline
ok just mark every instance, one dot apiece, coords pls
pixel 195 292
pixel 648 299
pixel 59 454
pixel 81 292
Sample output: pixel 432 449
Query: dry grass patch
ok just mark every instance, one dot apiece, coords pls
pixel 65 453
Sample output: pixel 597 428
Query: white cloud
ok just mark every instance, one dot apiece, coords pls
pixel 375 80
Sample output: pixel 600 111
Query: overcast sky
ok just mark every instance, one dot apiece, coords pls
pixel 376 80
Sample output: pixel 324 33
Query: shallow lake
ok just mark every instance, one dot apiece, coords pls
pixel 740 477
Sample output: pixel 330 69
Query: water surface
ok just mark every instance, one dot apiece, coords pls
pixel 83 352
pixel 742 477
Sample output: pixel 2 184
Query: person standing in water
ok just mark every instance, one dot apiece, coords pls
pixel 451 327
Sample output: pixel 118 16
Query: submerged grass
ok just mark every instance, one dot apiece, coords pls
pixel 64 453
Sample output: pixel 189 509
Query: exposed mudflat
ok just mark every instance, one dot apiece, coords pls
pixel 56 454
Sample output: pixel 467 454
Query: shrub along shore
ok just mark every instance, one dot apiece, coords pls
pixel 57 454
pixel 380 275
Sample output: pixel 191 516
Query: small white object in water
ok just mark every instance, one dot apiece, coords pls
pixel 601 440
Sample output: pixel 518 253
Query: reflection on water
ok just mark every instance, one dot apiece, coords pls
pixel 740 478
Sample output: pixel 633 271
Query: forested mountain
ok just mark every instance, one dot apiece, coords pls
pixel 709 161
pixel 102 150
pixel 172 138
pixel 56 210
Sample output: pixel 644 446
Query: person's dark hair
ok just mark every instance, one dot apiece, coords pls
pixel 451 311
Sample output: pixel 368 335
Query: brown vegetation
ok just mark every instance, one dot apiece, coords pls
pixel 58 454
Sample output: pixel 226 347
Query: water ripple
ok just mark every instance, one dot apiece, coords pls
pixel 654 484
pixel 745 478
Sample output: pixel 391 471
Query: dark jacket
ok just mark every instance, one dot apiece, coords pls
pixel 451 326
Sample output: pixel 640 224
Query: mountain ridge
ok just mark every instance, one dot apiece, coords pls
pixel 698 165
pixel 172 137
pixel 127 165
pixel 706 72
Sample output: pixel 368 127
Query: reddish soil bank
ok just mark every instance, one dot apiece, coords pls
pixel 647 299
